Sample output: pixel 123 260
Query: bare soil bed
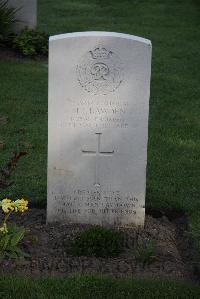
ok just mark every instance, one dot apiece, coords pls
pixel 175 258
pixel 7 53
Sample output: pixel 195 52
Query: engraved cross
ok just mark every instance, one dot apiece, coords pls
pixel 97 153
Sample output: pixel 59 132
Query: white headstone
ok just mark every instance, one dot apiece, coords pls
pixel 26 14
pixel 99 87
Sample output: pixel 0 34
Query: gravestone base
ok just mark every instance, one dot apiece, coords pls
pixel 175 256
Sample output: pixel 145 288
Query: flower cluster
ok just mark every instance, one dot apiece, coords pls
pixel 19 205
pixel 7 205
pixel 4 228
pixel 10 235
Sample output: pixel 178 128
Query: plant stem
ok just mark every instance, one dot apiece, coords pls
pixel 6 217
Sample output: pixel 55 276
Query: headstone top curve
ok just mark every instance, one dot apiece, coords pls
pixel 100 34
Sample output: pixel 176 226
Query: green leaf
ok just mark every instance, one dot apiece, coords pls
pixel 2 255
pixel 12 228
pixel 21 253
pixel 7 18
pixel 17 237
pixel 11 254
pixel 4 242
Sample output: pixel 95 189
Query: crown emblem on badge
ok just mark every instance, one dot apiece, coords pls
pixel 100 71
pixel 100 52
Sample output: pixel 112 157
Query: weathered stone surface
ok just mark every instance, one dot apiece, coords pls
pixel 99 85
pixel 26 14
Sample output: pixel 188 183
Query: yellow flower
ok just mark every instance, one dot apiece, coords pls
pixel 21 205
pixel 7 205
pixel 4 229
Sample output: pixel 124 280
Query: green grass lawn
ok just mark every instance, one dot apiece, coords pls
pixel 174 141
pixel 23 98
pixel 94 287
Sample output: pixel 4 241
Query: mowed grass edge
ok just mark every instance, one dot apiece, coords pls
pixel 94 287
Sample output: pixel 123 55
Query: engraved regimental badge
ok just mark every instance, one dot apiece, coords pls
pixel 100 71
